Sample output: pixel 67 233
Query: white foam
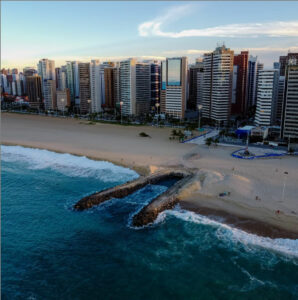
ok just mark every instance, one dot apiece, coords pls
pixel 231 235
pixel 67 164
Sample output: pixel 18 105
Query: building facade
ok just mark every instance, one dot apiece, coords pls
pixel 239 106
pixel 289 124
pixel 176 87
pixel 266 97
pixel 84 83
pixel 217 90
pixel 33 88
pixel 63 99
pixel 50 101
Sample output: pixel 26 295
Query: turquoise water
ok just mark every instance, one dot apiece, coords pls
pixel 50 251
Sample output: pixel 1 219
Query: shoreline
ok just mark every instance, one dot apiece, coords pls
pixel 249 225
pixel 221 172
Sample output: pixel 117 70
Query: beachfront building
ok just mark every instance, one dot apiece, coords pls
pixel 84 83
pixel 266 97
pixel 50 101
pixel 143 88
pixel 63 99
pixel 128 86
pixel 33 88
pixel 195 84
pixel 239 105
pixel 96 86
pixel 155 83
pixel 289 125
pixel 46 69
pixel 163 86
pixel 217 81
pixel 134 87
pixel 175 86
pixel 251 82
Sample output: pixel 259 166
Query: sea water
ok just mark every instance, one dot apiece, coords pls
pixel 50 251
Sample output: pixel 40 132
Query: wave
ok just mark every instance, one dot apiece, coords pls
pixel 235 236
pixel 67 164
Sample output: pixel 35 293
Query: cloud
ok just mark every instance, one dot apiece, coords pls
pixel 271 29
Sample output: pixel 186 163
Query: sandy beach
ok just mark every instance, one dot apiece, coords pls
pixel 254 187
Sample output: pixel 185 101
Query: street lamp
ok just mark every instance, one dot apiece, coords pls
pixel 284 186
pixel 200 106
pixel 157 106
pixel 89 101
pixel 62 100
pixel 121 103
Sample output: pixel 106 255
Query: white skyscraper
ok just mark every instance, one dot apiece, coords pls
pixel 176 87
pixel 266 97
pixel 128 86
pixel 217 90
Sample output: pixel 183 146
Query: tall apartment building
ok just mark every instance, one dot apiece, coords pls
pixel 128 86
pixel 251 82
pixel 143 88
pixel 163 86
pixel 280 98
pixel 217 80
pixel 266 97
pixel 289 124
pixel 46 69
pixel 63 99
pixel 239 106
pixel 84 83
pixel 195 84
pixel 155 83
pixel 176 87
pixel 95 86
pixel 50 101
pixel 33 88
pixel 112 86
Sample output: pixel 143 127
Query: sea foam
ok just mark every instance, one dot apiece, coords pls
pixel 234 236
pixel 67 164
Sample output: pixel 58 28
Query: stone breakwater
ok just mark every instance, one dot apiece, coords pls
pixel 149 213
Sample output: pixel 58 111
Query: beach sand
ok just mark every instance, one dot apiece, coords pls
pixel 254 186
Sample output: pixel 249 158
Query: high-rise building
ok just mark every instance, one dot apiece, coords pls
pixel 266 97
pixel 280 98
pixel 217 90
pixel 46 69
pixel 50 101
pixel 96 86
pixel 163 86
pixel 128 86
pixel 282 65
pixel 289 124
pixel 33 88
pixel 143 88
pixel 70 76
pixel 241 64
pixel 176 86
pixel 84 83
pixel 63 99
pixel 195 84
pixel 252 82
pixel 155 83
pixel 111 80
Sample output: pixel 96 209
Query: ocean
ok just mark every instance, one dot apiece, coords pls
pixel 50 251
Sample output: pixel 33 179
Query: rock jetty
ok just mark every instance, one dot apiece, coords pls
pixel 148 214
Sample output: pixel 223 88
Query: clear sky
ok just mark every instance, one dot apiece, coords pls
pixel 81 30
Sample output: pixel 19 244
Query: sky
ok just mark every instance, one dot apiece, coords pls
pixel 83 30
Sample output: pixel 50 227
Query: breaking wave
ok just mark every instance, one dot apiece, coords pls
pixel 67 164
pixel 233 236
